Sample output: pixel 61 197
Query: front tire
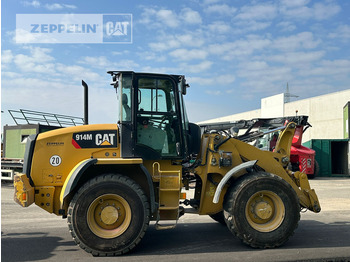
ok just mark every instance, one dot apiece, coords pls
pixel 108 215
pixel 262 210
pixel 219 217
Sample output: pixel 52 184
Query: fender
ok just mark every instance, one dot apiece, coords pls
pixel 228 175
pixel 151 189
pixel 75 174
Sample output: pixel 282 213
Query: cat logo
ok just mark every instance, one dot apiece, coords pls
pixel 104 139
pixel 95 139
pixel 117 28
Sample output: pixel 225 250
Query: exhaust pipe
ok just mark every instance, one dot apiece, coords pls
pixel 86 103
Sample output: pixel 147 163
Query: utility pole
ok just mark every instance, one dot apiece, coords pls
pixel 288 95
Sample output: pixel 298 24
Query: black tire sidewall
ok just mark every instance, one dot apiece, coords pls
pixel 219 217
pixel 139 217
pixel 316 170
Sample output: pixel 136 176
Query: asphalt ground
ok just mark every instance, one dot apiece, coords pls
pixel 31 234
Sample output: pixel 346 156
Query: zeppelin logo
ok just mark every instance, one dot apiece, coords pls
pixel 95 139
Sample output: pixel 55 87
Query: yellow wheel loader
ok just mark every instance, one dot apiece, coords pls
pixel 111 180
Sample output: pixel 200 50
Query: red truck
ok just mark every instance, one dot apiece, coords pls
pixel 303 158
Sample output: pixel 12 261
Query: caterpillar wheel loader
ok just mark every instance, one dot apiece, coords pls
pixel 111 180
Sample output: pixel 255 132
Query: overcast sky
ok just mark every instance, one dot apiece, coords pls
pixel 233 53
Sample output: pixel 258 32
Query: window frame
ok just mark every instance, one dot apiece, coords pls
pixel 177 114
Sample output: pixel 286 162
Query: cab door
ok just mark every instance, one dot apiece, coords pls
pixel 157 121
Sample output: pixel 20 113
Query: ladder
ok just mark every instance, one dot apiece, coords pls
pixel 169 195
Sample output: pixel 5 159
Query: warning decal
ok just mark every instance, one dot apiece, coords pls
pixel 95 139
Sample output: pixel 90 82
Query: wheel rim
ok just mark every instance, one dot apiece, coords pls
pixel 109 216
pixel 265 211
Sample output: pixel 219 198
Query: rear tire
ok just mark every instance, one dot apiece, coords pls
pixel 262 210
pixel 108 215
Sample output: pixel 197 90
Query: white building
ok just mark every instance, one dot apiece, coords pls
pixel 325 113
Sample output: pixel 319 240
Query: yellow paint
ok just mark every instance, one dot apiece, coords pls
pixel 109 216
pixel 265 211
pixel 24 192
pixel 105 143
pixel 59 142
pixel 169 177
pixel 120 161
pixel 271 162
pixel 100 161
pixel 53 180
pixel 44 197
pixel 67 180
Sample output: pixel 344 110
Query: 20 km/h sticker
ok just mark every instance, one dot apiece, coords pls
pixel 55 160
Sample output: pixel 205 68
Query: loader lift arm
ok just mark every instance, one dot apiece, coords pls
pixel 272 124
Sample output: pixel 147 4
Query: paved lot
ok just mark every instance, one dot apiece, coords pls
pixel 31 234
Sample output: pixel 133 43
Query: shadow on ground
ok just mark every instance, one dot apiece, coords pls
pixel 186 238
pixel 32 246
pixel 214 237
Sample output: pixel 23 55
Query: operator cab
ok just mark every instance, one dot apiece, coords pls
pixel 152 116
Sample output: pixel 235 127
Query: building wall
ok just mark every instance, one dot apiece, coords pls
pixel 14 143
pixel 272 106
pixel 245 115
pixel 325 113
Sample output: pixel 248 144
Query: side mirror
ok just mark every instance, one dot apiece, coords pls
pixel 183 88
pixel 115 81
pixel 183 85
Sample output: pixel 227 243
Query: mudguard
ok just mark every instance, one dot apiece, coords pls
pixel 228 175
pixel 76 173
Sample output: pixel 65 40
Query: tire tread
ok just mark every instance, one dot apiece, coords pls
pixel 91 183
pixel 233 193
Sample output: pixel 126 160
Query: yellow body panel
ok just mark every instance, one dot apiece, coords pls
pixel 44 197
pixel 58 143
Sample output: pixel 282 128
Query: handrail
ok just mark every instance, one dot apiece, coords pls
pixel 37 117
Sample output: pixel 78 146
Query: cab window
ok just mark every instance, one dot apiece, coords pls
pixel 126 98
pixel 157 122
